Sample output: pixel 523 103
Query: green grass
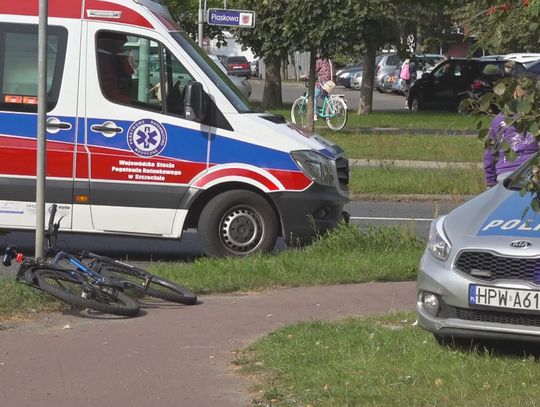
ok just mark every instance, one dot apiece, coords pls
pixel 409 147
pixel 395 181
pixel 382 361
pixel 402 119
pixel 347 255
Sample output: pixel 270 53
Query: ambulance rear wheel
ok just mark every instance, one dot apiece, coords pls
pixel 237 223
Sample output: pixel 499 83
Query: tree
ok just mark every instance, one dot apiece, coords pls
pixel 267 40
pixel 503 26
pixel 318 27
pixel 522 111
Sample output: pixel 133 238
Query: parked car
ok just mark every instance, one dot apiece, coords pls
pixel 254 66
pixel 384 64
pixel 449 83
pixel 479 276
pixel 425 63
pixel 238 66
pixel 345 75
pixel 242 84
pixel 356 80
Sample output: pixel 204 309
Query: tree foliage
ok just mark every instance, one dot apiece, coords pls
pixel 502 26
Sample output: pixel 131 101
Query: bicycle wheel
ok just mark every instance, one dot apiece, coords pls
pixel 299 111
pixel 75 292
pixel 157 287
pixel 336 113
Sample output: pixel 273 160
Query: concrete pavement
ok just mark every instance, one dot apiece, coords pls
pixel 171 355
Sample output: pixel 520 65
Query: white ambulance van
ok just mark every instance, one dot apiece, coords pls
pixel 147 136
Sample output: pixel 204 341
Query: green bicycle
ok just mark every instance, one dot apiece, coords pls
pixel 333 111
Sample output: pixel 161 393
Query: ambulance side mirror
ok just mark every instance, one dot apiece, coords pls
pixel 195 102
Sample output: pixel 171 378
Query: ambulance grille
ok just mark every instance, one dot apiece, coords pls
pixel 488 267
pixel 342 166
pixel 497 317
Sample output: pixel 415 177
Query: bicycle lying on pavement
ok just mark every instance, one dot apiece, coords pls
pixel 333 111
pixel 88 280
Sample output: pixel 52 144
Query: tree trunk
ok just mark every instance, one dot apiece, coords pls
pixel 272 97
pixel 368 77
pixel 312 62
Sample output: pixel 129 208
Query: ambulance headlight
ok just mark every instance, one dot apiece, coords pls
pixel 316 166
pixel 438 244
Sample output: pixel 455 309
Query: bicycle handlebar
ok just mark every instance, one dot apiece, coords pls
pixel 9 254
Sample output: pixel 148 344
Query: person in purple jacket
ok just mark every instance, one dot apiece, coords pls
pixel 496 165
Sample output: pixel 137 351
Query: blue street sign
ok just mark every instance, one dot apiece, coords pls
pixel 236 18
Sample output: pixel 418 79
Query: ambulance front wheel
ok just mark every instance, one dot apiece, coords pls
pixel 237 223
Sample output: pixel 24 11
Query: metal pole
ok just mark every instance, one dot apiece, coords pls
pixel 201 33
pixel 41 128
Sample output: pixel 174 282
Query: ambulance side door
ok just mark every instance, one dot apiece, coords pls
pixel 18 119
pixel 142 152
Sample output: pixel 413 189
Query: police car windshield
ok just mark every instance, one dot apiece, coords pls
pixel 216 75
pixel 523 174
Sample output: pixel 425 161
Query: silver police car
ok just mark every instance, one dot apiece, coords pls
pixel 480 274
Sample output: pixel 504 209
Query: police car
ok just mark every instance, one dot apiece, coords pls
pixel 480 274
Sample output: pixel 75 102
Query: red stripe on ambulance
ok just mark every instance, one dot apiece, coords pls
pixel 128 16
pixel 57 8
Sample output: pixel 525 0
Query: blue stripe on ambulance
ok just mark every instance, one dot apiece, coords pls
pixel 507 219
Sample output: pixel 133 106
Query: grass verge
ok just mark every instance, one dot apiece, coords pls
pixel 401 119
pixel 408 147
pixel 346 255
pixel 396 181
pixel 382 361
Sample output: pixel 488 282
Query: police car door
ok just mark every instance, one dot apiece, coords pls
pixel 18 113
pixel 134 133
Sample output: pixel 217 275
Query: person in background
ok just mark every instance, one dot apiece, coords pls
pixel 496 165
pixel 408 75
pixel 325 73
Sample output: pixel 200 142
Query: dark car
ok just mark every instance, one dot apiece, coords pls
pixel 345 75
pixel 238 66
pixel 452 81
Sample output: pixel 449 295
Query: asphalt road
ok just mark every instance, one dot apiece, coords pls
pixel 291 90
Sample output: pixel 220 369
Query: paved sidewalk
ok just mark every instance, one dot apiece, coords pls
pixel 172 356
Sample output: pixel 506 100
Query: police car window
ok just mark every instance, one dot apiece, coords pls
pixel 19 59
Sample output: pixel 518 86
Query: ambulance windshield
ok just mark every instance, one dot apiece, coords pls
pixel 216 75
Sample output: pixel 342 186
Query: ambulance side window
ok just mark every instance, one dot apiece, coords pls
pixel 18 66
pixel 127 68
pixel 134 71
pixel 176 77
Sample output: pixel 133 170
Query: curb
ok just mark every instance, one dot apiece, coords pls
pixel 370 163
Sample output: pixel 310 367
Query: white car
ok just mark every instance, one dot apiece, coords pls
pixel 241 83
pixel 356 80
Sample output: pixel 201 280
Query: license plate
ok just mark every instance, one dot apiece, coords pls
pixel 500 297
pixel 237 67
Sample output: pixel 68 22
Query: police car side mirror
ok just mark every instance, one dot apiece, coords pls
pixel 195 102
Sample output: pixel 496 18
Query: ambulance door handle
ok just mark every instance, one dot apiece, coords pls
pixel 54 125
pixel 108 129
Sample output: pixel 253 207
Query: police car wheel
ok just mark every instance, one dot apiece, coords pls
pixel 237 223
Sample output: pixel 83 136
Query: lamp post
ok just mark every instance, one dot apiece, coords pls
pixel 41 128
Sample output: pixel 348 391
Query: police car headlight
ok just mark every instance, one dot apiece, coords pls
pixel 316 166
pixel 438 244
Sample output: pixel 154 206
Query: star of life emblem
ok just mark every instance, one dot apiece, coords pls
pixel 147 138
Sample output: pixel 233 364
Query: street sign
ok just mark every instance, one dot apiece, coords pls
pixel 235 18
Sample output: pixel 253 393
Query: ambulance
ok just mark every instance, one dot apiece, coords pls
pixel 147 136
